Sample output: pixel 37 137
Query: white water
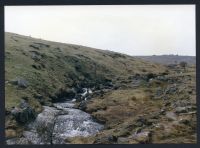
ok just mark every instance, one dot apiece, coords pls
pixel 74 123
pixel 55 124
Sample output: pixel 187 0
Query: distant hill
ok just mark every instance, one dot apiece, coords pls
pixel 169 59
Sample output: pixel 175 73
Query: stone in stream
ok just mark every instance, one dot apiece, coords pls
pixel 85 95
pixel 82 105
pixel 40 131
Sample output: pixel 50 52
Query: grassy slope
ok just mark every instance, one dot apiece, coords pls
pixel 64 64
pixel 120 110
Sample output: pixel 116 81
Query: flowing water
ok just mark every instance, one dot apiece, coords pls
pixel 55 124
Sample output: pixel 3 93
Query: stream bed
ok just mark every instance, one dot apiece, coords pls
pixel 55 124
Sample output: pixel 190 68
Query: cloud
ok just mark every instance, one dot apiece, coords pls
pixel 133 29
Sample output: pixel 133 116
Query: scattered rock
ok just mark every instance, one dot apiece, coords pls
pixel 167 104
pixel 171 116
pixel 143 137
pixel 38 96
pixel 181 103
pixel 172 80
pixel 191 108
pixel 156 115
pixel 42 65
pixel 23 104
pixel 21 82
pixel 105 140
pixel 38 67
pixel 162 111
pixel 171 90
pixel 142 121
pixel 159 92
pixel 184 121
pixel 181 110
pixel 122 140
pixel 34 46
pixel 82 105
pixel 63 95
pixel 98 93
pixel 150 76
pixel 35 55
pixel 162 78
pixel 109 84
pixel 136 77
pixel 78 98
pixel 136 83
pixel 7 112
pixel 23 115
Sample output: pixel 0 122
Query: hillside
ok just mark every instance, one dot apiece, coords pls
pixel 136 101
pixel 49 66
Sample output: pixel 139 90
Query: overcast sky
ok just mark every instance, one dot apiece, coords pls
pixel 133 29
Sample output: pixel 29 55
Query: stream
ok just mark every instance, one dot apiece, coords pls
pixel 57 123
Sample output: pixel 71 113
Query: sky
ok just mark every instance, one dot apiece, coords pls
pixel 129 29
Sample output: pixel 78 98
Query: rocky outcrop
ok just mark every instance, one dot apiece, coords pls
pixel 63 95
pixel 55 124
pixel 23 113
pixel 20 82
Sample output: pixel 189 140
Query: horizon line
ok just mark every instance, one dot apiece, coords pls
pixel 39 38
